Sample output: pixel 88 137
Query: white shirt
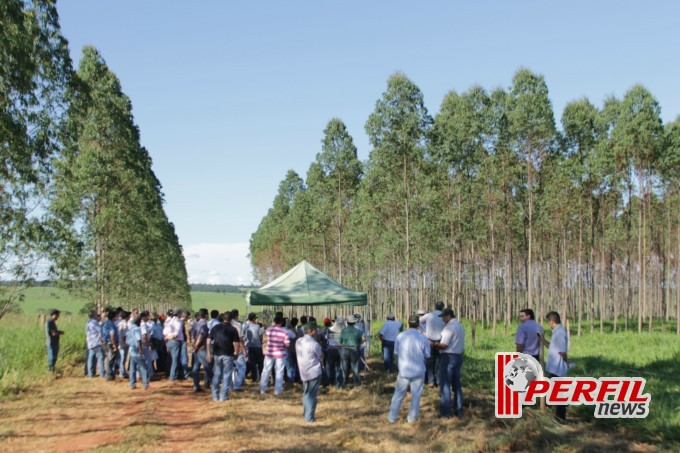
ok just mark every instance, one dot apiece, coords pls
pixel 433 325
pixel 555 364
pixel 173 329
pixel 390 330
pixel 413 348
pixel 453 336
pixel 308 357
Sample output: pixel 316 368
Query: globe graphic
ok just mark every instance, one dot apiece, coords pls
pixel 520 372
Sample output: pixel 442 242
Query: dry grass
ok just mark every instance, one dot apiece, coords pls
pixel 77 414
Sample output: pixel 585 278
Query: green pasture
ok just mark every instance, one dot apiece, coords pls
pixel 654 356
pixel 37 300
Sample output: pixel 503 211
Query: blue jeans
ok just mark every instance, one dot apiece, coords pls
pixel 174 353
pixel 255 362
pixel 310 392
pixel 122 355
pixel 138 365
pixel 95 360
pixel 349 357
pixel 388 355
pixel 432 365
pixel 290 365
pixel 200 359
pixel 333 368
pixel 110 361
pixel 400 390
pixel 269 363
pixel 52 353
pixel 223 366
pixel 184 360
pixel 239 371
pixel 449 380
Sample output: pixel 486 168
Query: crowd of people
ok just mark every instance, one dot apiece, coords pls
pixel 140 346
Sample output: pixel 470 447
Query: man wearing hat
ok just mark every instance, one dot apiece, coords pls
pixel 433 326
pixel 333 348
pixel 309 357
pixel 413 349
pixel 388 335
pixel 451 348
pixel 350 340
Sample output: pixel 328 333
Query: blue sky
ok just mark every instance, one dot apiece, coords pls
pixel 230 95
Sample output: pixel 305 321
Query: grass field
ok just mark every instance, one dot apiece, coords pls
pixel 351 420
pixel 37 300
pixel 25 385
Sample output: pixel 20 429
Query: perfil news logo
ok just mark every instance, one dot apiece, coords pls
pixel 520 381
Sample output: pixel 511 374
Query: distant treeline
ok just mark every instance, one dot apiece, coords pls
pixel 208 288
pixel 37 283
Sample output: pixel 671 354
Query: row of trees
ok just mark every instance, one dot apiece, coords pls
pixel 77 189
pixel 491 207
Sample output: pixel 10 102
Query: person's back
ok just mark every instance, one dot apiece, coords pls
pixel 277 338
pixel 412 348
pixel 433 325
pixel 526 336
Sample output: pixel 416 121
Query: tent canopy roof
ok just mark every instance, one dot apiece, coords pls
pixel 305 285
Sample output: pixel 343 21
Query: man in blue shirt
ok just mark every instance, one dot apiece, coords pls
pixel 527 338
pixel 110 344
pixel 137 362
pixel 412 348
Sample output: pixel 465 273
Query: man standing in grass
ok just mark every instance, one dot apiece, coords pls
pixel 451 347
pixel 136 352
pixel 52 335
pixel 527 339
pixel 95 355
pixel 110 344
pixel 309 357
pixel 413 349
pixel 556 365
pixel 224 344
pixel 350 340
pixel 388 335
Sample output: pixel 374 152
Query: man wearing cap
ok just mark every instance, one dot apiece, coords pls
pixel 433 331
pixel 52 335
pixel 412 348
pixel 451 347
pixel 350 340
pixel 252 333
pixel 309 357
pixel 334 375
pixel 388 335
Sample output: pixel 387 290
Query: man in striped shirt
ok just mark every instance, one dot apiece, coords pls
pixel 277 344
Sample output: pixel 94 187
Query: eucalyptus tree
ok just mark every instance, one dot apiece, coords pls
pixel 35 69
pixel 461 145
pixel 398 130
pixel 335 182
pixel 638 138
pixel 112 238
pixel 533 132
pixel 582 132
pixel 669 165
pixel 267 244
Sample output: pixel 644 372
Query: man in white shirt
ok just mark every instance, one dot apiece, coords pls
pixel 451 348
pixel 309 358
pixel 556 365
pixel 413 349
pixel 174 336
pixel 388 335
pixel 433 331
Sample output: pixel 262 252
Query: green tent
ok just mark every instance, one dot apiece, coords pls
pixel 305 285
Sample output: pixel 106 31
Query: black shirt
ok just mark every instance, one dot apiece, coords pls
pixel 222 337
